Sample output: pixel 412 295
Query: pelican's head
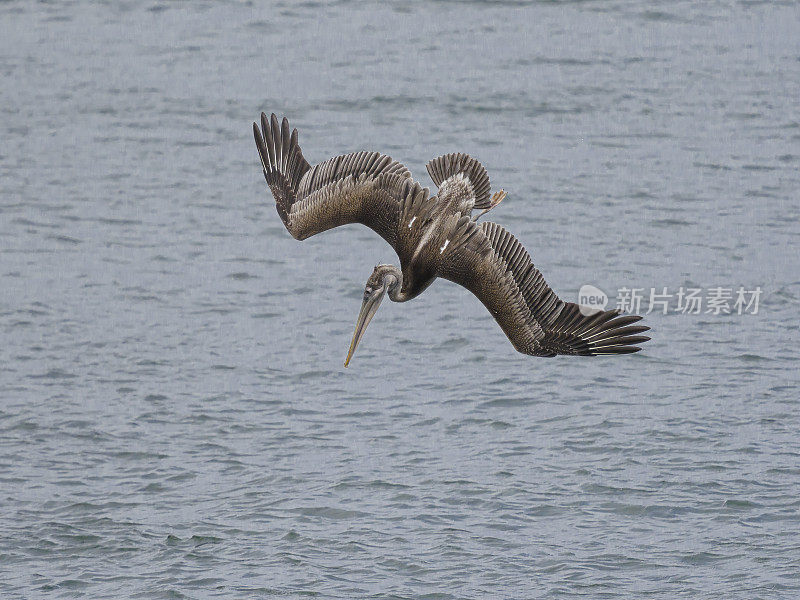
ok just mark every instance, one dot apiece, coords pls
pixel 383 279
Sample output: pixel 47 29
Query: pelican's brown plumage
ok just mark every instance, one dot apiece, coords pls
pixel 434 236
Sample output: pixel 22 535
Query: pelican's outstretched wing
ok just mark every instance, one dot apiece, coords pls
pixel 492 264
pixel 362 187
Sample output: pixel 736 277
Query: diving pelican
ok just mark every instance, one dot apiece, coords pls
pixel 434 236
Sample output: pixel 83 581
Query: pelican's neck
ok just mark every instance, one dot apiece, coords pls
pixel 393 279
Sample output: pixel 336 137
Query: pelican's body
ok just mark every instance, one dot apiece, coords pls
pixel 426 233
pixel 434 236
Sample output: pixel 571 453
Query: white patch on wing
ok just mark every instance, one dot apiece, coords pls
pixel 411 222
pixel 446 242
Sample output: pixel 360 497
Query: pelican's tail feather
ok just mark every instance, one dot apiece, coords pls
pixel 444 167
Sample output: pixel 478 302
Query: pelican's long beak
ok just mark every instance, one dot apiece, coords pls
pixel 368 310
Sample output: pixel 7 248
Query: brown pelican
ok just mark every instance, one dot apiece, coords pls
pixel 434 236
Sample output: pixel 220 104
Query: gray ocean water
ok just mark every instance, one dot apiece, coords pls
pixel 175 420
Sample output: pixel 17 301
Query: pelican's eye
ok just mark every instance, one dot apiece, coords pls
pixel 367 293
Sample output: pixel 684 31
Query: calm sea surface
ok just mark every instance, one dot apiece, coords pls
pixel 175 420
